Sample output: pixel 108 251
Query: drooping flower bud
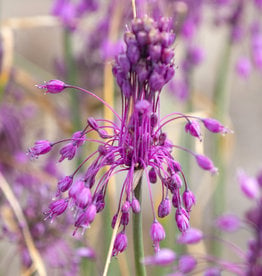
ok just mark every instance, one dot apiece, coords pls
pixel 91 212
pixel 186 263
pixel 182 220
pixel 176 181
pixel 68 151
pixel 191 236
pixel 92 123
pixel 120 243
pixel 214 126
pixel 53 86
pixel 205 163
pixel 228 223
pixel 163 257
pixel 157 234
pixel 65 183
pixel 248 185
pixel 189 200
pixel 152 176
pixel 164 208
pixel 56 208
pixel 125 207
pixel 124 219
pixel 78 138
pixel 194 129
pixel 76 189
pixel 135 206
pixel 40 147
pixel 83 198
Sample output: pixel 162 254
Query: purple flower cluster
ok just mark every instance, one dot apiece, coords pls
pixel 61 254
pixel 136 142
pixel 250 261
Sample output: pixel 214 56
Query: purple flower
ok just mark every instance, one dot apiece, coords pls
pixel 248 185
pixel 194 129
pixel 135 206
pixel 243 67
pixel 205 163
pixel 229 223
pixel 137 141
pixel 65 183
pixel 186 263
pixel 182 220
pixel 40 147
pixel 163 257
pixel 57 208
pixel 53 86
pixel 191 236
pixel 164 208
pixel 214 126
pixel 188 200
pixel 68 151
pixel 212 271
pixel 157 234
pixel 120 243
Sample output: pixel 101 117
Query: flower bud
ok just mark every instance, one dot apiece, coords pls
pixel 91 213
pixel 124 219
pixel 186 263
pixel 176 199
pixel 65 183
pixel 78 138
pixel 248 185
pixel 191 236
pixel 157 232
pixel 164 208
pixel 76 189
pixel 152 176
pixel 182 220
pixel 120 243
pixel 92 123
pixel 162 138
pixel 189 200
pixel 135 206
pixel 163 257
pixel 56 208
pixel 83 198
pixel 214 126
pixel 243 67
pixel 228 223
pixel 205 163
pixel 194 129
pixel 113 222
pixel 125 207
pixel 53 86
pixel 40 147
pixel 176 181
pixel 68 151
pixel 156 81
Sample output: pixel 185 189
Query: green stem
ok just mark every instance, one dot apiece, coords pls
pixel 138 234
pixel 72 79
pixel 221 100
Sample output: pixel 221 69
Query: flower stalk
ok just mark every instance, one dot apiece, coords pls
pixel 138 234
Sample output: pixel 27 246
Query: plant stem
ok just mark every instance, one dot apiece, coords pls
pixel 71 78
pixel 138 234
pixel 221 100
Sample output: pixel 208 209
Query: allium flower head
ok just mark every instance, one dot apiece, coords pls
pixel 137 141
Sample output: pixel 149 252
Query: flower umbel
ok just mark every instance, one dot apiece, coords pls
pixel 138 141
